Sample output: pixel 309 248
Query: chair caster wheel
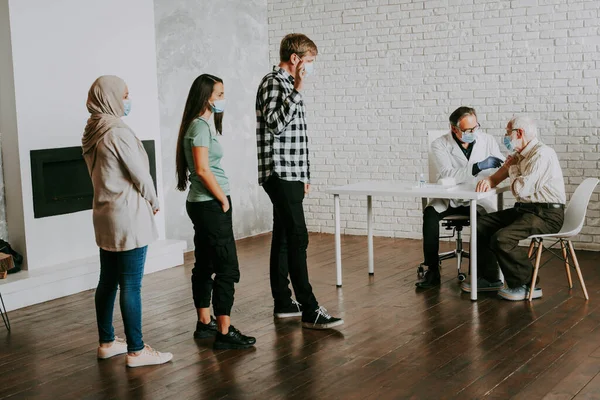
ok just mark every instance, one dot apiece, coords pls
pixel 420 272
pixel 462 277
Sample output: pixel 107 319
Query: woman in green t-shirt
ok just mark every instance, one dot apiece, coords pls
pixel 208 205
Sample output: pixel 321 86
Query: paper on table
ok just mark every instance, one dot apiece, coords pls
pixel 447 181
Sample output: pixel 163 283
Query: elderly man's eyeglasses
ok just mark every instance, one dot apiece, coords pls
pixel 509 132
pixel 470 130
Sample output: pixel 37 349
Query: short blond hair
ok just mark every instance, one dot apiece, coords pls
pixel 296 43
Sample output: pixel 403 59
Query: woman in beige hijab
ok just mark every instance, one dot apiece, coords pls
pixel 124 205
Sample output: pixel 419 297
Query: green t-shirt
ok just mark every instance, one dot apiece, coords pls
pixel 200 134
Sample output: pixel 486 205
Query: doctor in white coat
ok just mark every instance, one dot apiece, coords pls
pixel 465 154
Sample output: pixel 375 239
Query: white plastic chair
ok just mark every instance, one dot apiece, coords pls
pixel 574 220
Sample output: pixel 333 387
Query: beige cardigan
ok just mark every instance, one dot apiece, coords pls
pixel 124 195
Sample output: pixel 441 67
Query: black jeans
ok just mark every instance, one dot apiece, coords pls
pixel 289 244
pixel 215 253
pixel 431 232
pixel 498 236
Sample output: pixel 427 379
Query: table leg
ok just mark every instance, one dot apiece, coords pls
pixel 473 249
pixel 338 240
pixel 370 234
pixel 500 208
pixel 500 201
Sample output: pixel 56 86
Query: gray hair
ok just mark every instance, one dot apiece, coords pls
pixel 526 123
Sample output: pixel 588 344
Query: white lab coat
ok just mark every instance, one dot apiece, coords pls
pixel 451 162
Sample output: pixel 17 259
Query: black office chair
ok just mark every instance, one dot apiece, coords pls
pixel 454 223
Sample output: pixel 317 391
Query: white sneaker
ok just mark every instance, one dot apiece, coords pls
pixel 519 293
pixel 148 356
pixel 119 346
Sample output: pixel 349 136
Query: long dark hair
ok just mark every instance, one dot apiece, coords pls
pixel 196 105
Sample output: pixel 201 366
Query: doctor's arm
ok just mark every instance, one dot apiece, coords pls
pixel 495 158
pixel 443 161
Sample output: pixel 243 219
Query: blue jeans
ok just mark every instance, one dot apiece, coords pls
pixel 124 269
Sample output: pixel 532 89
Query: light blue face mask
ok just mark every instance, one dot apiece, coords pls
pixel 309 68
pixel 468 137
pixel 509 143
pixel 126 106
pixel 219 106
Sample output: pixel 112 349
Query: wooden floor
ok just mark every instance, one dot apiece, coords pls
pixel 396 343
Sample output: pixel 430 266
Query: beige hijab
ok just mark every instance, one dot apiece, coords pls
pixel 105 103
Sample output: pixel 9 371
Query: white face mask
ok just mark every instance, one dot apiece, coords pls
pixel 126 107
pixel 218 106
pixel 309 68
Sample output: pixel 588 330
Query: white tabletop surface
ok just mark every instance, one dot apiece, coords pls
pixel 410 189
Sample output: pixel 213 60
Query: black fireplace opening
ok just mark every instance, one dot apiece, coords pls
pixel 61 182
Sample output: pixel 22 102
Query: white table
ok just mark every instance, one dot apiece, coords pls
pixel 406 189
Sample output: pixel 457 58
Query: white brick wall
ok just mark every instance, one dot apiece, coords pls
pixel 389 70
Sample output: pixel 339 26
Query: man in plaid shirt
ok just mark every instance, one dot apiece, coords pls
pixel 283 171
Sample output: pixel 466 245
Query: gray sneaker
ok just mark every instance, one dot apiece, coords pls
pixel 483 285
pixel 519 293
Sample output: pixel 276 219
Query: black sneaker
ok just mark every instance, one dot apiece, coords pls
pixel 204 331
pixel 431 279
pixel 233 340
pixel 319 319
pixel 293 310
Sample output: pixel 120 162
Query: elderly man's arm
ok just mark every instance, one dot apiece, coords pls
pixel 498 177
pixel 537 174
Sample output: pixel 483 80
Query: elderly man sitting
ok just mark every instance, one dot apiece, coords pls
pixel 536 181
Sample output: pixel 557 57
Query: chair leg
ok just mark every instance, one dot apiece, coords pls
pixel 531 247
pixel 574 258
pixel 538 257
pixel 4 314
pixel 458 252
pixel 566 258
pixel 447 255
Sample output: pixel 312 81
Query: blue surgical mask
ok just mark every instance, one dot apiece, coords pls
pixel 309 68
pixel 508 142
pixel 468 137
pixel 218 106
pixel 126 106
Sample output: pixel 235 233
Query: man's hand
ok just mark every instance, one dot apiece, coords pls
pixel 306 188
pixel 484 185
pixel 490 162
pixel 299 76
pixel 510 160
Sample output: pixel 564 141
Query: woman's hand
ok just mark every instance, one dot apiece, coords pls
pixel 225 205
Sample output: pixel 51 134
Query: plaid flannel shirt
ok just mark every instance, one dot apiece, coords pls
pixel 281 129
